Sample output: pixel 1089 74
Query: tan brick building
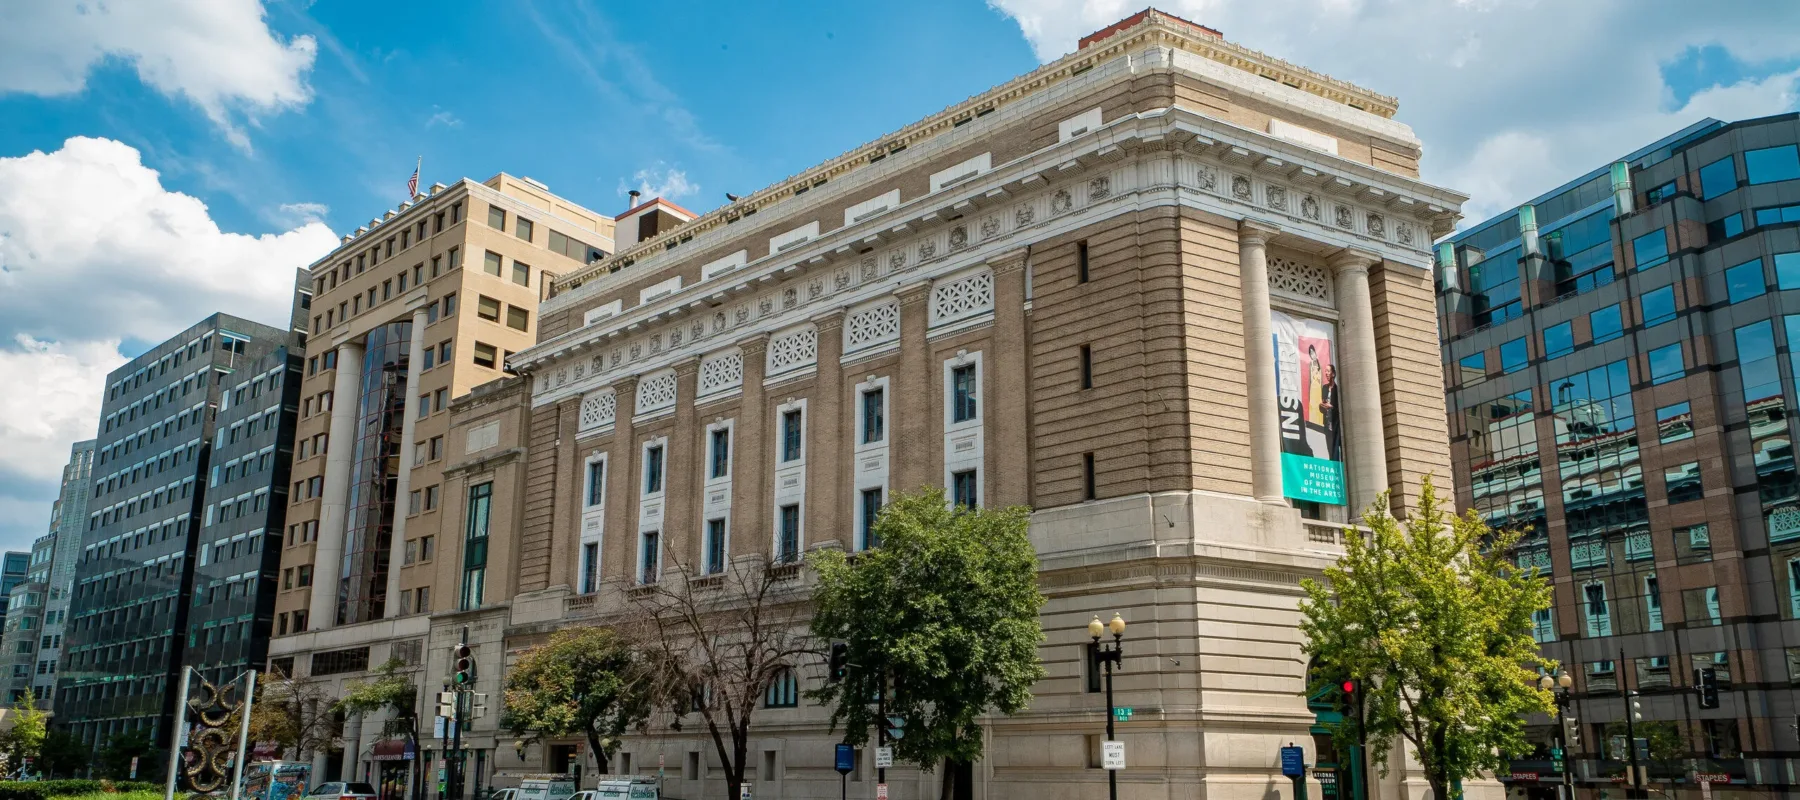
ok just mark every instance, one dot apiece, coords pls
pixel 412 311
pixel 1041 295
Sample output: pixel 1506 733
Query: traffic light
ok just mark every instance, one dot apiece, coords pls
pixel 1706 682
pixel 840 661
pixel 478 706
pixel 446 704
pixel 1637 708
pixel 895 726
pixel 465 665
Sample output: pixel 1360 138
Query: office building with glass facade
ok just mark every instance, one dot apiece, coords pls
pixel 1619 387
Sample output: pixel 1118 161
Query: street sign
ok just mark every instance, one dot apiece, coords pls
pixel 1112 755
pixel 744 791
pixel 846 759
pixel 1293 762
pixel 134 760
pixel 1123 713
pixel 881 791
pixel 410 752
pixel 884 757
pixel 437 728
pixel 1617 748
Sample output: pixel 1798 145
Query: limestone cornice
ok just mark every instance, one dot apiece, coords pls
pixel 1170 157
pixel 1114 58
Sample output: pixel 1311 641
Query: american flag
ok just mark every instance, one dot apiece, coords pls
pixel 412 185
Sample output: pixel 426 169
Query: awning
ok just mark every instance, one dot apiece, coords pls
pixel 392 750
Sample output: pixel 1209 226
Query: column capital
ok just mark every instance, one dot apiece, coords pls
pixel 687 366
pixel 754 345
pixel 1008 262
pixel 913 293
pixel 830 320
pixel 1351 259
pixel 1256 232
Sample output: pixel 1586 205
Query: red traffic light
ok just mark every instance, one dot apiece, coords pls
pixel 1349 687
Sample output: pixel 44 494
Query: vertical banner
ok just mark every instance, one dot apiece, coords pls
pixel 1306 390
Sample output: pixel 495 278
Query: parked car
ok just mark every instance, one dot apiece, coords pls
pixel 339 790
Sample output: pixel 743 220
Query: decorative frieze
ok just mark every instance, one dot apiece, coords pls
pixel 872 326
pixel 721 372
pixel 656 392
pixel 1296 279
pixel 598 410
pixel 791 350
pixel 962 298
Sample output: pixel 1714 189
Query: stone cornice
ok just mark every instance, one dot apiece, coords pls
pixel 1082 64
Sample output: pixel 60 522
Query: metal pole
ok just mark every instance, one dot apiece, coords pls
pixel 176 735
pixel 1112 775
pixel 237 769
pixel 1359 765
pixel 881 723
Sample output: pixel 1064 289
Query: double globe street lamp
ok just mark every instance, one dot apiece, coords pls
pixel 1558 686
pixel 1109 656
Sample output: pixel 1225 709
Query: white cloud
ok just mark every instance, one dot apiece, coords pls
pixel 1511 97
pixel 660 180
pixel 301 213
pixel 443 117
pixel 219 54
pixel 93 250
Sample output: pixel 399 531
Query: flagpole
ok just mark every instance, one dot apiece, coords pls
pixel 417 170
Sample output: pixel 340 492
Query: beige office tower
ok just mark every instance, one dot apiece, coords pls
pixel 412 310
pixel 1171 293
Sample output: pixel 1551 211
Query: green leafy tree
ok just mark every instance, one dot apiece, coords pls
pixel 391 690
pixel 63 754
pixel 1434 620
pixel 25 740
pixel 114 758
pixel 296 715
pixel 944 615
pixel 584 682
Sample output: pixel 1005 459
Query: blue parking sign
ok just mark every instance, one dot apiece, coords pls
pixel 846 759
pixel 1293 762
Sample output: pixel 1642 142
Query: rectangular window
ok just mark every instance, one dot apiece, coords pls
pixel 455 258
pixel 1787 270
pixel 1650 249
pixel 648 563
pixel 487 308
pixel 1514 356
pixel 1666 364
pixel 521 273
pixel 486 355
pixel 783 692
pixel 492 263
pixel 873 422
pixel 1088 488
pixel 1473 369
pixel 590 567
pixel 1087 367
pixel 962 394
pixel 715 547
pixel 653 469
pixel 1081 261
pixel 790 435
pixel 430 357
pixel 523 228
pixel 1772 164
pixel 1606 323
pixel 1682 482
pixel 1745 281
pixel 475 541
pixel 721 453
pixel 1725 227
pixel 596 483
pixel 518 318
pixel 787 547
pixel 1674 423
pixel 1559 340
pixel 1700 607
pixel 870 512
pixel 497 218
pixel 965 489
pixel 1657 305
pixel 1718 178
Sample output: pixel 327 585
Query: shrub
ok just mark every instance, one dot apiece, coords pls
pixel 45 790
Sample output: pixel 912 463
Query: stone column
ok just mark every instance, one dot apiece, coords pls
pixel 624 486
pixel 828 462
pixel 750 464
pixel 1259 361
pixel 915 458
pixel 1008 461
pixel 687 459
pixel 1360 382
pixel 403 485
pixel 328 554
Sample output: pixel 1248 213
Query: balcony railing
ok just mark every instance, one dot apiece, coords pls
pixel 1334 534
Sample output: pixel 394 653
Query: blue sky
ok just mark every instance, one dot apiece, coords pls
pixel 162 161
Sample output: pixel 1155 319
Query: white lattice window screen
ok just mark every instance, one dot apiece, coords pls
pixel 1297 279
pixel 598 410
pixel 872 326
pixel 721 372
pixel 793 350
pixel 656 393
pixel 962 298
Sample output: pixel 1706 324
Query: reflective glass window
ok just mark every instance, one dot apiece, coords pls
pixel 1666 364
pixel 1559 340
pixel 1717 178
pixel 1650 249
pixel 1658 305
pixel 1772 164
pixel 1744 281
pixel 1606 323
pixel 1513 356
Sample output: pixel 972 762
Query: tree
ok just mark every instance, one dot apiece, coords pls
pixel 944 614
pixel 25 740
pixel 1434 621
pixel 584 682
pixel 714 644
pixel 391 690
pixel 114 758
pixel 295 715
pixel 63 755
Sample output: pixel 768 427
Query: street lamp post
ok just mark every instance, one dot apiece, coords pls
pixel 1559 689
pixel 1109 656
